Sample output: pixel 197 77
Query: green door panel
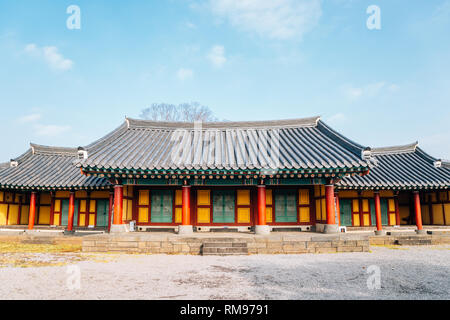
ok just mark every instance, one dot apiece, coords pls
pixel 102 213
pixel 285 206
pixel 161 206
pixel 223 206
pixel 345 206
pixel 64 212
pixel 384 212
pixel 75 213
pixel 373 212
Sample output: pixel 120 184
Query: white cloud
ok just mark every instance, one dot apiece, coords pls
pixel 275 19
pixel 370 90
pixel 29 118
pixel 184 74
pixel 190 25
pixel 217 56
pixel 51 56
pixel 337 118
pixel 50 130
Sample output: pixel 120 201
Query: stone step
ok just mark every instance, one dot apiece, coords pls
pixel 222 250
pixel 413 242
pixel 225 245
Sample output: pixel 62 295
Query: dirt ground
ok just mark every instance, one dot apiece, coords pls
pixel 42 272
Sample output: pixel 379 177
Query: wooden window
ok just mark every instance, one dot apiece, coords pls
pixel 320 202
pixel 161 206
pixel 356 213
pixel 144 206
pixel 269 206
pixel 392 212
pixel 82 213
pixel 304 204
pixel 57 212
pixel 178 206
pixel 365 212
pixel 243 206
pixel 285 206
pixel 204 206
pixel 223 206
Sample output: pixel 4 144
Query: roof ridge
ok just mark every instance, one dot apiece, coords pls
pixel 407 148
pixel 172 125
pixel 41 149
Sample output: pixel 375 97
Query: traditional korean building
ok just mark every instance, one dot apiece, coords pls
pixel 407 186
pixel 239 175
pixel 40 187
pixel 289 174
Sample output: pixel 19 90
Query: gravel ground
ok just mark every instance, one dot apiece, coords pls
pixel 406 273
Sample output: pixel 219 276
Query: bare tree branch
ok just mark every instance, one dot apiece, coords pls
pixel 185 112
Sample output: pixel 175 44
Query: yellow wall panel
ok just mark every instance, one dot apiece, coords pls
pixel 243 215
pixel 392 219
pixel 2 196
pixel 425 214
pixel 443 196
pixel 92 219
pixel 324 209
pixel 57 206
pixel 438 214
pixel 304 214
pixel 13 214
pixel 92 205
pixel 178 197
pixel 178 215
pixel 391 205
pixel 17 198
pixel 143 215
pixel 203 215
pixel 447 213
pixel 356 220
pixel 269 197
pixel 130 210
pixel 9 197
pixel 269 218
pixel 83 205
pixel 303 196
pixel 355 205
pixel 365 205
pixel 318 210
pixel 44 215
pixel 144 198
pixel 82 219
pixel 366 220
pixel 56 219
pixel 3 214
pixel 203 197
pixel 434 197
pixel 243 198
pixel 24 213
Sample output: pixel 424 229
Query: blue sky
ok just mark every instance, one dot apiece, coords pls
pixel 245 59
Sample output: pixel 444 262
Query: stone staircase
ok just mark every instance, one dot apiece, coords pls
pixel 224 247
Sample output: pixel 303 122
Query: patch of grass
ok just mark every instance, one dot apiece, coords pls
pixel 17 247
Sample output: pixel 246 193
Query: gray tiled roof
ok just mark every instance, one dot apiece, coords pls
pixel 403 167
pixel 305 144
pixel 44 167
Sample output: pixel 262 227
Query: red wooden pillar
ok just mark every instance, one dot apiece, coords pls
pixel 111 204
pixel 118 204
pixel 32 215
pixel 261 205
pixel 186 210
pixel 330 204
pixel 71 211
pixel 418 210
pixel 338 207
pixel 378 211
